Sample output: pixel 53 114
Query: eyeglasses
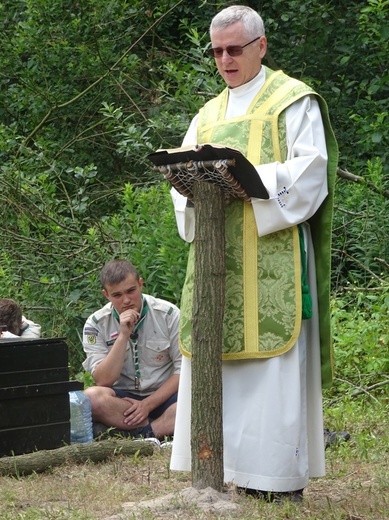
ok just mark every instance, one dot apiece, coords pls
pixel 232 50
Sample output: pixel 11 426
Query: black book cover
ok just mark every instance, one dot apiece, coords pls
pixel 243 171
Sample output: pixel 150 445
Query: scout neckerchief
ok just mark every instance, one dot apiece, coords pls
pixel 134 338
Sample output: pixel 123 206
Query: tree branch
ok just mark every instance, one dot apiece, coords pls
pixel 360 390
pixel 363 289
pixel 95 83
pixel 382 261
pixel 68 280
pixel 343 252
pixel 344 174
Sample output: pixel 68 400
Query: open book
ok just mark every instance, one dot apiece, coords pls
pixel 241 169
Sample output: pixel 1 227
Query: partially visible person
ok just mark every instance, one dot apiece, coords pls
pixel 132 352
pixel 13 324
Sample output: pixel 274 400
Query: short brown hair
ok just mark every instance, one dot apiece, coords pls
pixel 116 271
pixel 10 315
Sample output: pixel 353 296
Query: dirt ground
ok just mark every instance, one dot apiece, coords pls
pixel 172 506
pixel 143 488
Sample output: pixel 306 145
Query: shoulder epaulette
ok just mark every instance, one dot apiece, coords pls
pixel 102 313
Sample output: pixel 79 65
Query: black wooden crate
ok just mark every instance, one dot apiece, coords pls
pixel 34 395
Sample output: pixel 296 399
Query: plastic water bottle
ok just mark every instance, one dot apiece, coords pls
pixel 81 430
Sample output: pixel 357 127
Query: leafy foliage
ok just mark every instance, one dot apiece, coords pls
pixel 88 89
pixel 361 338
pixel 360 239
pixel 60 288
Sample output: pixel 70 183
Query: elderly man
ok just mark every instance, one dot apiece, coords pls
pixel 277 344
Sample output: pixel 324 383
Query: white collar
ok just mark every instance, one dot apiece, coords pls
pixel 254 84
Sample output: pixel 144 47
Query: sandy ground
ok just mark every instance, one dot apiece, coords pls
pixel 172 506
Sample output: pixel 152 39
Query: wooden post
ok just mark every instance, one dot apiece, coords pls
pixel 207 334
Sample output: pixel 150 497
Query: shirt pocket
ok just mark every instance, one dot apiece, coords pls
pixel 157 353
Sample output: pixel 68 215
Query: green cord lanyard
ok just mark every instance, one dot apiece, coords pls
pixel 134 340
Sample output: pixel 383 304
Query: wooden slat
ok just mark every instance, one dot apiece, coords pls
pixel 39 437
pixel 27 377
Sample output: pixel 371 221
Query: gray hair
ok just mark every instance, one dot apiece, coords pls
pixel 252 22
pixel 116 271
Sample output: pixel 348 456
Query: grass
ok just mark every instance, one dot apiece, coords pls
pixel 354 488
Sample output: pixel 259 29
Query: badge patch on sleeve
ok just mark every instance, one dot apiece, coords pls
pixel 91 334
pixel 91 339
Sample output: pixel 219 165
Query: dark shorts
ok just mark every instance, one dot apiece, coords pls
pixel 155 413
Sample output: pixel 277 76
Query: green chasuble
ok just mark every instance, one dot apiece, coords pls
pixel 263 300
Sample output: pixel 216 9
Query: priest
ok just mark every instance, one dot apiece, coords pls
pixel 277 342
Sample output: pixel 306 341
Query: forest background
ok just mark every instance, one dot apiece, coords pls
pixel 89 88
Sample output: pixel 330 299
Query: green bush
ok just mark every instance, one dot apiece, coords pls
pixel 360 322
pixel 86 93
pixel 56 278
pixel 360 232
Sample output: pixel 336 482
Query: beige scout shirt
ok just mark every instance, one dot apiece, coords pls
pixel 158 351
